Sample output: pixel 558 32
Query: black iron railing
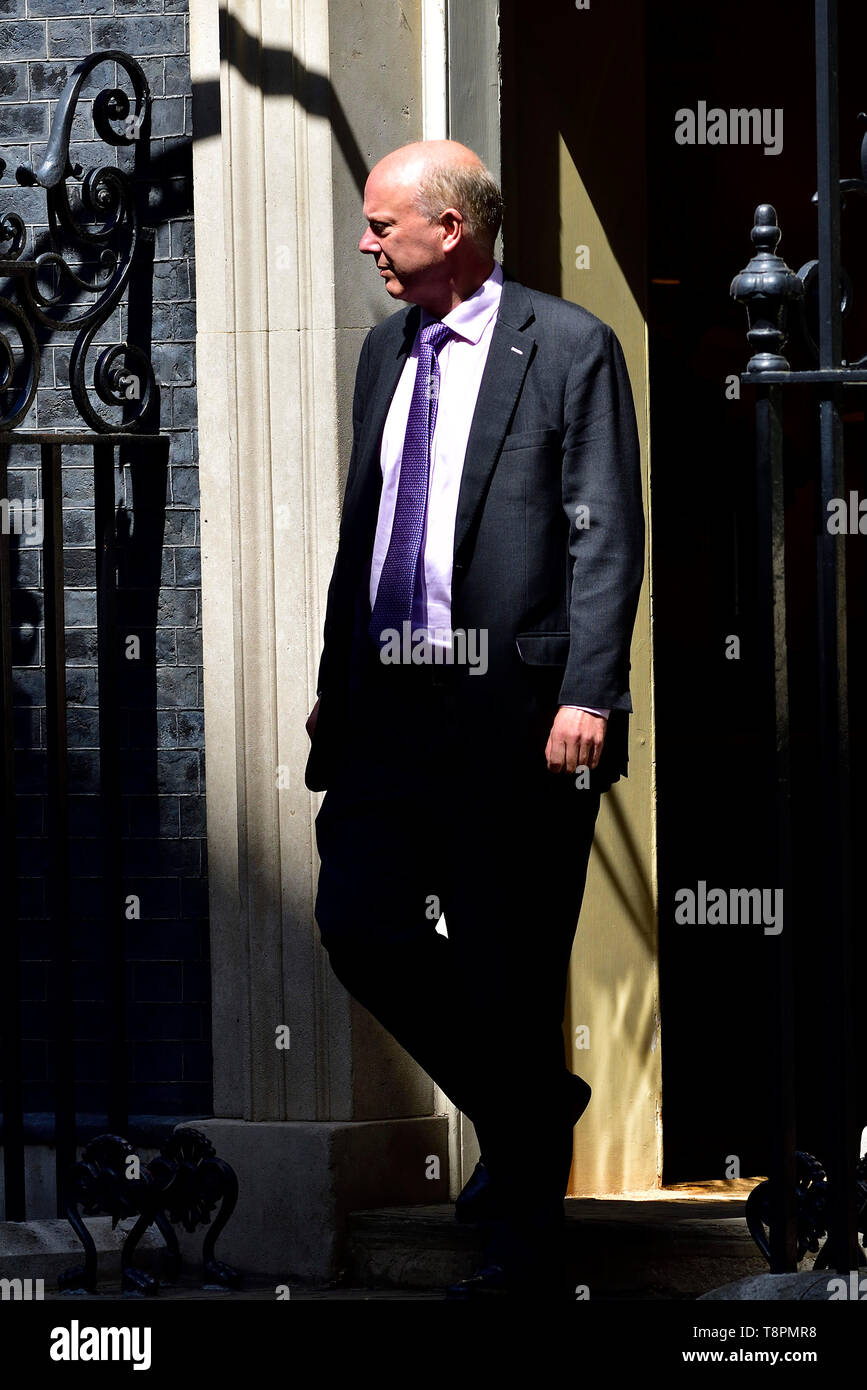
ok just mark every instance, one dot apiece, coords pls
pixel 98 251
pixel 805 1199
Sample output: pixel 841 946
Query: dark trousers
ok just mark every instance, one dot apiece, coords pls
pixel 426 817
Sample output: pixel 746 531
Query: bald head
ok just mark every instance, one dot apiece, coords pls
pixel 434 211
pixel 441 174
pixel 411 162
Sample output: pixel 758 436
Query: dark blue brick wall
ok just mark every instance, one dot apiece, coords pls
pixel 161 723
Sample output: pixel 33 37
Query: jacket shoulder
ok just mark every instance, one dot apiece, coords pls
pixel 567 315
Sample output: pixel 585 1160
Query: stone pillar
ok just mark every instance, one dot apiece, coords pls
pixel 293 102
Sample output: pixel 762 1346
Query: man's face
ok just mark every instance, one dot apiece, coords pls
pixel 406 247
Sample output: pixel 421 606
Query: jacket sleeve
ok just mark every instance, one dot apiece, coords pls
pixel 358 406
pixel 601 492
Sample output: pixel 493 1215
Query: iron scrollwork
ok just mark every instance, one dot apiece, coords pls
pixel 102 232
pixel 182 1185
pixel 811 1210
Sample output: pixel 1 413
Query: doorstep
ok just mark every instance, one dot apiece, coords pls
pixel 676 1243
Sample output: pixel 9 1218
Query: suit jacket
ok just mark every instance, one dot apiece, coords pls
pixel 557 590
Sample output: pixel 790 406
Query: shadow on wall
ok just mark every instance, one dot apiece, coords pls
pixel 276 72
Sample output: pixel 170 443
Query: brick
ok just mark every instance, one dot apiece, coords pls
pixel 79 569
pixel 166 647
pixel 188 568
pixel 78 527
pixel 27 728
pixel 30 771
pixel 158 982
pixel 13 82
pixel 193 817
pixel 56 407
pixel 159 899
pixel 165 939
pixel 29 572
pixel 194 896
pixel 163 252
pixel 90 855
pixel 176 771
pixel 154 70
pixel 169 1021
pixel 177 70
pixel 70 9
pixel 34 857
pixel 85 815
pixel 77 484
pixel 147 34
pixel 182 447
pixel 197 1061
pixel 150 728
pixel 83 769
pixel 180 526
pixel 31 898
pixel 189 647
pixel 81 646
pixel 142 857
pixel 184 407
pixel 22 40
pixel 69 38
pixel 81 687
pixel 89 980
pixel 191 729
pixel 26 645
pixel 161 324
pixel 153 815
pixel 184 322
pixel 183 241
pixel 185 486
pixel 168 116
pixel 23 120
pixel 80 608
pixel 173 363
pixel 29 814
pixel 48 79
pixel 86 897
pixel 171 280
pixel 82 728
pixel 177 687
pixel 157 1061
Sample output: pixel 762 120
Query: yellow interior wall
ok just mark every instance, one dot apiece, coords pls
pixel 614 978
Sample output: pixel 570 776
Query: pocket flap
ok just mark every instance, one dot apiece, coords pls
pixel 543 648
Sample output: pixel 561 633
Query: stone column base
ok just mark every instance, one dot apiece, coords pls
pixel 298 1179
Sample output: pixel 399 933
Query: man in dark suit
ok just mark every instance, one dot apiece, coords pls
pixel 474 685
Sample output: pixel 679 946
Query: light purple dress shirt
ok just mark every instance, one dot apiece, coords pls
pixel 462 361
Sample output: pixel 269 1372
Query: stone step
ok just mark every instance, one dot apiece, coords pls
pixel 660 1247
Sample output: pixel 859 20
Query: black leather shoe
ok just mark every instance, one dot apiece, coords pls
pixel 477 1201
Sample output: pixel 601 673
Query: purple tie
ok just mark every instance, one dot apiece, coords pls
pixel 397 582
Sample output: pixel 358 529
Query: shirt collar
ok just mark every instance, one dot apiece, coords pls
pixel 471 317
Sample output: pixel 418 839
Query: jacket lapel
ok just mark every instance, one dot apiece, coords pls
pixel 393 360
pixel 508 359
pixel 365 499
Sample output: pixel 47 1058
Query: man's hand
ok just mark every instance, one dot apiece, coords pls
pixel 312 717
pixel 575 740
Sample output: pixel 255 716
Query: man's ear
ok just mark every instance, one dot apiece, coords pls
pixel 452 224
